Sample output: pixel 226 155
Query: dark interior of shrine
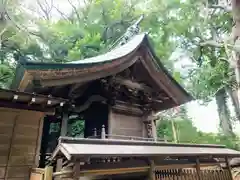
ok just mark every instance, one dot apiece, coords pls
pixel 86 118
pixel 95 117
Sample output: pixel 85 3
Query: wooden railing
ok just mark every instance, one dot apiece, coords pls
pixel 192 174
pixel 101 134
pixel 163 174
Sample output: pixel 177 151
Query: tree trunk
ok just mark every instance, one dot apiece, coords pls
pixel 236 39
pixel 174 131
pixel 233 94
pixel 223 112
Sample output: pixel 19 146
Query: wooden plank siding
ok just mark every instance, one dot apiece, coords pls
pixel 19 142
pixel 126 125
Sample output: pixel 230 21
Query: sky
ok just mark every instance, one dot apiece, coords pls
pixel 205 118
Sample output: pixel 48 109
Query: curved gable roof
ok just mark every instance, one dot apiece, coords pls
pixel 110 63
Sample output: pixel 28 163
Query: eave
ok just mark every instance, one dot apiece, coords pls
pixel 29 101
pixel 75 148
pixel 115 61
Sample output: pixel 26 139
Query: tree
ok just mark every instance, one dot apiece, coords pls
pixel 94 28
pixel 188 133
pixel 213 75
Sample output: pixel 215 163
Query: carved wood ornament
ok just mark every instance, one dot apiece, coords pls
pixel 128 90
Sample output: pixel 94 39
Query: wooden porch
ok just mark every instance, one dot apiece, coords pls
pixel 78 158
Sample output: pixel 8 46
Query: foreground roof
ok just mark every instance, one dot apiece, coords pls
pixel 78 147
pixel 33 75
pixel 29 101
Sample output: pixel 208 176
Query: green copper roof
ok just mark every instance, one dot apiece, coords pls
pixel 110 56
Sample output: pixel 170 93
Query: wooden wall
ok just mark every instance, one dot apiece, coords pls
pixel 20 136
pixel 125 124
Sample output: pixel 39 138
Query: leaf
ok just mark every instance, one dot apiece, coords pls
pixel 177 76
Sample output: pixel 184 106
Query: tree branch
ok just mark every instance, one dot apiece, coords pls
pixel 212 43
pixel 63 15
pixel 216 6
pixel 45 10
pixel 75 10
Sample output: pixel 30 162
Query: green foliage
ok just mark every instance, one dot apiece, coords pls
pixel 207 80
pixel 6 74
pixel 76 129
pixel 188 133
pixel 92 29
pixel 54 127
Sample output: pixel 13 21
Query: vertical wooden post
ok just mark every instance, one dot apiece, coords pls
pixel 64 124
pixel 44 141
pixel 151 173
pixel 76 170
pixel 48 173
pixel 198 169
pixel 64 127
pixel 59 166
pixel 151 126
pixel 228 168
pixel 154 130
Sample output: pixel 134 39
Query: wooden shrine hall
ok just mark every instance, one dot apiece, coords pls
pixel 116 94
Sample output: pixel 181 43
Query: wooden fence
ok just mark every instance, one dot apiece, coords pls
pixel 168 174
pixel 192 174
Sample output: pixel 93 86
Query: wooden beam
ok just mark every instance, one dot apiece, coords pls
pixel 56 89
pixel 25 81
pixel 133 85
pixel 76 87
pixel 132 109
pixel 32 107
pixel 86 105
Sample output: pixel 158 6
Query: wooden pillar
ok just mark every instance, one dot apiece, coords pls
pixel 44 141
pixel 64 128
pixel 228 168
pixel 76 170
pixel 154 129
pixel 198 169
pixel 151 173
pixel 48 173
pixel 152 121
pixel 64 124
